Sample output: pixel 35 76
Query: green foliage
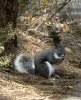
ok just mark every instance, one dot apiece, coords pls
pixel 5 34
pixel 4 37
pixel 45 4
pixel 4 60
pixel 77 29
pixel 33 5
pixel 23 5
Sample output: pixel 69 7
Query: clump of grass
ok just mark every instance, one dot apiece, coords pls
pixel 4 60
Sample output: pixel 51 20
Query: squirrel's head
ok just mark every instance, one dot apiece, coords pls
pixel 59 51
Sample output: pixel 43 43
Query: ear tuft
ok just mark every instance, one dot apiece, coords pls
pixel 56 38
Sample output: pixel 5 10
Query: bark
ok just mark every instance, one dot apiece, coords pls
pixel 8 12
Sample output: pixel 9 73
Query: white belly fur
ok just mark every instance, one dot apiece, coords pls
pixel 51 68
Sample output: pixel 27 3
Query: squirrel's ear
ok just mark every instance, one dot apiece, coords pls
pixel 56 39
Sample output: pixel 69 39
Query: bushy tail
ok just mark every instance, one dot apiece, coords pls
pixel 24 64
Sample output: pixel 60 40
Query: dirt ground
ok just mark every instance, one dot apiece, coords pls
pixel 16 86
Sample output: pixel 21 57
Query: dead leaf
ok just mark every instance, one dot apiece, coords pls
pixel 65 28
pixel 33 19
pixel 70 87
pixel 68 49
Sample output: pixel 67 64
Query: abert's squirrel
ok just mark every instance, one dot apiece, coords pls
pixel 43 63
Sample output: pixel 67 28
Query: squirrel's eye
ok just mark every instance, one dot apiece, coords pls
pixel 60 50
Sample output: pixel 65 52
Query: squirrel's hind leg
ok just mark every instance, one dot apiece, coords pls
pixel 47 70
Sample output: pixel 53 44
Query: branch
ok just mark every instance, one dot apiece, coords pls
pixel 56 11
pixel 59 9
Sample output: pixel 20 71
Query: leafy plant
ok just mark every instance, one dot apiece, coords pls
pixel 4 60
pixel 6 34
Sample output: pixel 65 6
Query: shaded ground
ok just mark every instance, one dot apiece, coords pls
pixel 15 86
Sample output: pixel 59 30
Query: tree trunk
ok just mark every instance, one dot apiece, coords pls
pixel 8 12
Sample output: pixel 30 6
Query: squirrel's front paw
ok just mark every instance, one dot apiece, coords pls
pixel 52 79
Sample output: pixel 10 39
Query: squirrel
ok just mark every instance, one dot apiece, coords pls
pixel 44 62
